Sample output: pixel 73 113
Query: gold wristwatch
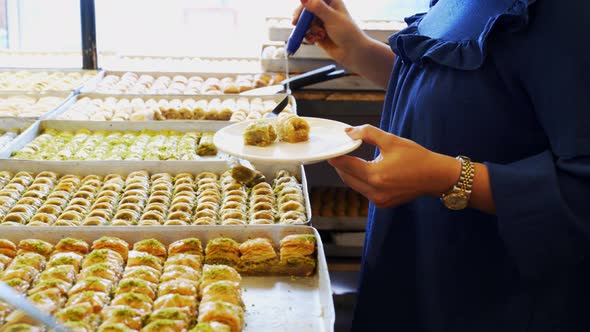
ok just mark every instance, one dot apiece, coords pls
pixel 458 197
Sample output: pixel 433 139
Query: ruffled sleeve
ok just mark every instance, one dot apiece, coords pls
pixel 543 201
pixel 465 54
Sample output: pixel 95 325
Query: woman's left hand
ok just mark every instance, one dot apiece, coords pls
pixel 402 172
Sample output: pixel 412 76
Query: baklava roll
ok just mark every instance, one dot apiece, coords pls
pixel 206 146
pixel 200 109
pixel 72 245
pixel 226 313
pixel 205 221
pixel 293 218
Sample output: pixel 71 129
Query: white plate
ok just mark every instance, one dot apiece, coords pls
pixel 327 139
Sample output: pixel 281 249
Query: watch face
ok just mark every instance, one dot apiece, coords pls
pixel 456 201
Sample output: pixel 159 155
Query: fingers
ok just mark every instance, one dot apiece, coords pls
pixel 355 183
pixel 296 14
pixel 320 9
pixel 373 136
pixel 315 34
pixel 354 166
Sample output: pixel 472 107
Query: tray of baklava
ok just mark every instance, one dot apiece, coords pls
pixel 99 107
pixel 46 80
pixel 112 195
pixel 178 83
pixel 10 129
pixel 173 63
pixel 31 105
pixel 68 140
pixel 211 279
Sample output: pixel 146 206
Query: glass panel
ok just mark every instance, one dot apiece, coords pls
pixel 205 28
pixel 40 33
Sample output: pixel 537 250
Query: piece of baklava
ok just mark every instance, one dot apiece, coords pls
pixel 211 327
pixel 72 245
pixel 165 325
pixel 222 251
pixel 186 246
pixel 260 133
pixel 112 243
pixel 96 300
pixel 258 256
pixel 297 254
pixel 223 291
pixel 213 273
pixel 206 146
pixel 137 301
pixel 127 316
pixel 138 286
pixel 226 313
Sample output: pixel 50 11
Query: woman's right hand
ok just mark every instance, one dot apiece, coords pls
pixel 333 29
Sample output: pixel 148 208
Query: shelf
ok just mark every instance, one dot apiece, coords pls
pixel 340 224
pixel 332 250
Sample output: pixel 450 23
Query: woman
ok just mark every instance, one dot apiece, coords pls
pixel 504 83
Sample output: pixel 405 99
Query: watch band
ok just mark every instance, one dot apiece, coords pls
pixel 467 174
pixel 458 197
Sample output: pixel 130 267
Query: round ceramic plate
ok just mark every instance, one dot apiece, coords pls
pixel 327 139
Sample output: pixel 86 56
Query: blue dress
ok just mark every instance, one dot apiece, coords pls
pixel 506 83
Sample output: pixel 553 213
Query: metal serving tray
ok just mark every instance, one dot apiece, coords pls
pixel 125 167
pixel 90 86
pixel 62 94
pixel 11 123
pixel 184 63
pixel 273 303
pixel 35 130
pixel 66 105
pixel 74 90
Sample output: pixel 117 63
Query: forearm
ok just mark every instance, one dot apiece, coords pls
pixel 446 176
pixel 372 60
